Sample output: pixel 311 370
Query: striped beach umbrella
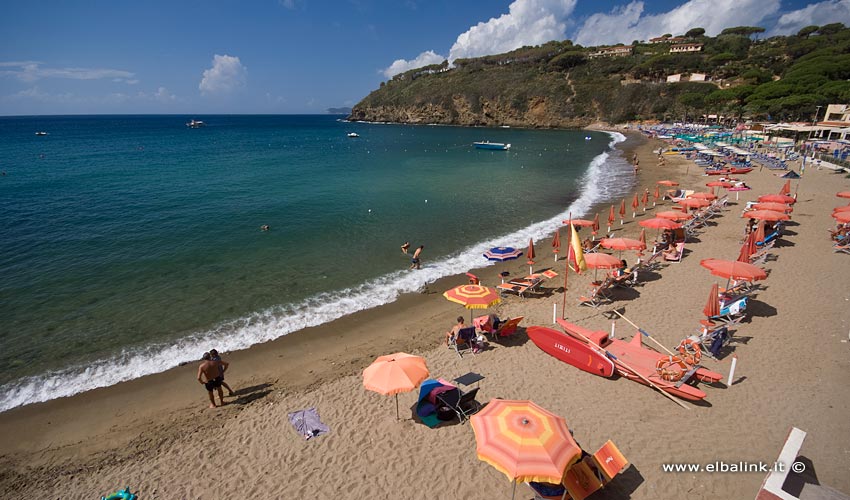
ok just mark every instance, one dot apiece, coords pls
pixel 524 441
pixel 501 254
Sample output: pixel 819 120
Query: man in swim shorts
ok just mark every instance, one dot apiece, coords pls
pixel 209 374
pixel 415 263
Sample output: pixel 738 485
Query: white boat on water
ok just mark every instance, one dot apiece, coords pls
pixel 353 134
pixel 41 133
pixel 196 124
pixel 498 146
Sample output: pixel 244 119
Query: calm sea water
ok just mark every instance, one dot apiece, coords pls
pixel 130 238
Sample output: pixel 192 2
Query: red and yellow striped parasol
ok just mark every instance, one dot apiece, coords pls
pixel 473 296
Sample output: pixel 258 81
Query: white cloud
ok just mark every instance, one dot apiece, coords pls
pixel 529 22
pixel 627 23
pixel 289 4
pixel 36 94
pixel 423 59
pixel 818 14
pixel 30 71
pixel 226 75
pixel 162 94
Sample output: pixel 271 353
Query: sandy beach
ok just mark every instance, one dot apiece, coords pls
pixel 156 435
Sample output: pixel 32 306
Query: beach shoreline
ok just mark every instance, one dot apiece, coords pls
pixel 144 425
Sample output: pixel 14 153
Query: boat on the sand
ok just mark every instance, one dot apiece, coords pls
pixel 631 360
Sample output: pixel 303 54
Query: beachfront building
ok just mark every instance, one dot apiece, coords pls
pixel 685 47
pixel 669 39
pixel 616 51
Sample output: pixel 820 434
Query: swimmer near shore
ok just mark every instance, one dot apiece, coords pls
pixel 264 227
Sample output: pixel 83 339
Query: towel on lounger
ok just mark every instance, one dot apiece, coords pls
pixel 307 423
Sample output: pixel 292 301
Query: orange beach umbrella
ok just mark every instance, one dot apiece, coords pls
pixel 668 183
pixel 734 270
pixel 841 216
pixel 595 225
pixel 524 441
pixel 395 373
pixel 655 196
pixel 778 198
pixel 776 207
pixel 611 218
pixel 703 196
pixel 556 244
pixel 712 307
pixel 845 208
pixel 530 254
pixel 843 194
pixel 693 203
pixel 786 188
pixel 599 260
pixel 673 215
pixel 579 222
pixel 765 215
pixel 622 210
pixel 660 223
pixel 473 296
pixel 645 199
pixel 635 205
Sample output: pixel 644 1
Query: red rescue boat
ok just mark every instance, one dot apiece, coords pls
pixel 628 359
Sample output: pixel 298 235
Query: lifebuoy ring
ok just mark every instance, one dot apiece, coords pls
pixel 663 368
pixel 690 350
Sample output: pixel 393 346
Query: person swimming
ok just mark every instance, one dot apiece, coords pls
pixel 264 227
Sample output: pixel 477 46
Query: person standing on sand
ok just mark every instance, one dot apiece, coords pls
pixel 416 263
pixel 223 365
pixel 209 373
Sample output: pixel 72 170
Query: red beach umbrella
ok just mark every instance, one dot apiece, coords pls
pixel 712 307
pixel 660 223
pixel 642 239
pixel 599 260
pixel 758 235
pixel 693 203
pixel 765 215
pixel 579 222
pixel 673 215
pixel 635 205
pixel 655 196
pixel 778 198
pixel 723 184
pixel 845 208
pixel 843 194
pixel 622 244
pixel 530 255
pixel 733 270
pixel 786 188
pixel 668 183
pixel 776 207
pixel 556 244
pixel 703 196
pixel 595 224
pixel 611 218
pixel 622 210
pixel 645 199
pixel 841 216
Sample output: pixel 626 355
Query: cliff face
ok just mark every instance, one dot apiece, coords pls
pixel 538 113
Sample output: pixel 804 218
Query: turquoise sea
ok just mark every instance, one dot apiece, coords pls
pixel 135 238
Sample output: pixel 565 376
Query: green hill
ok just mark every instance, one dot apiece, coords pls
pixel 560 84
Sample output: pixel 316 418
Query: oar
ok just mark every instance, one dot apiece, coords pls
pixel 645 333
pixel 629 368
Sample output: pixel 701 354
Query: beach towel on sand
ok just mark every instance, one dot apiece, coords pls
pixel 307 423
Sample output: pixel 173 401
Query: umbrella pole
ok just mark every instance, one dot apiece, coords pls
pixel 396 408
pixel 513 494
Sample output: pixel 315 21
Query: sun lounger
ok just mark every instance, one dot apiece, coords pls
pixel 506 328
pixel 680 249
pixel 599 294
pixel 529 284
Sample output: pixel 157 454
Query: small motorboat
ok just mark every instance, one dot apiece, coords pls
pixel 41 133
pixel 353 134
pixel 497 146
pixel 595 352
pixel 196 124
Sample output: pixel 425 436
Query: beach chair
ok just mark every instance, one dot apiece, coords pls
pixel 465 340
pixel 506 328
pixel 680 250
pixel 712 338
pixel 842 248
pixel 463 404
pixel 599 294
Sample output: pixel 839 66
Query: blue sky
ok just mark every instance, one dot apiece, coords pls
pixel 304 56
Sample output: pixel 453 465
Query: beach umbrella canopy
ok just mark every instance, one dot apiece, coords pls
pixel 501 254
pixel 673 215
pixel 776 207
pixel 611 217
pixel 595 225
pixel 712 307
pixel 645 199
pixel 668 183
pixel 530 254
pixel 765 215
pixel 622 210
pixel 703 196
pixel 843 194
pixel 734 270
pixel 622 244
pixel 524 441
pixel 845 208
pixel 473 296
pixel 841 216
pixel 693 203
pixel 395 373
pixel 747 249
pixel 655 196
pixel 758 235
pixel 777 198
pixel 635 204
pixel 660 223
pixel 786 188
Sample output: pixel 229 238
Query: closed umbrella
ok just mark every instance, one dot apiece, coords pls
pixel 645 199
pixel 758 235
pixel 642 239
pixel 395 373
pixel 712 307
pixel 524 441
pixel 635 205
pixel 622 211
pixel 786 188
pixel 556 244
pixel 611 218
pixel 655 196
pixel 530 254
pixel 595 225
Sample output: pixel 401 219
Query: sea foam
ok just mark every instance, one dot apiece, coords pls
pixel 608 177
